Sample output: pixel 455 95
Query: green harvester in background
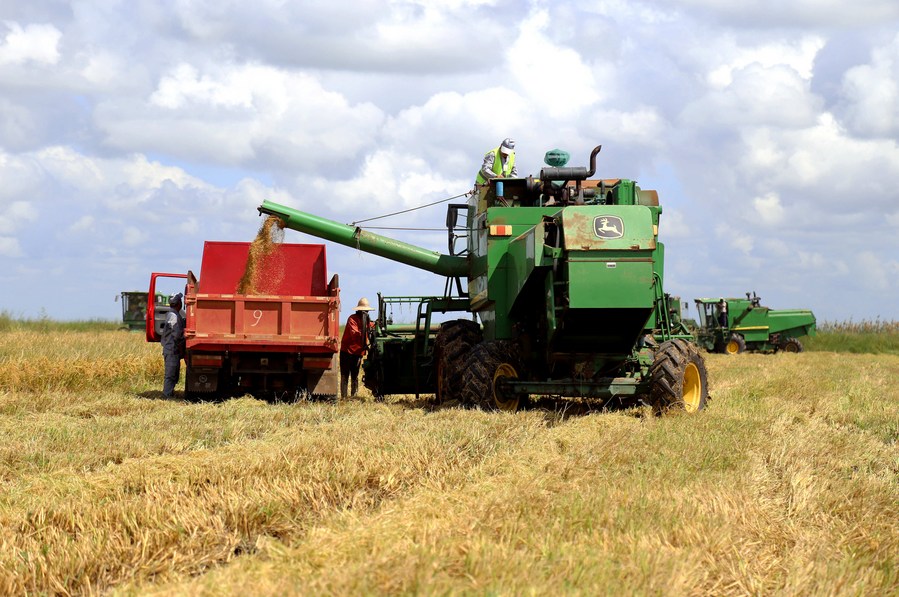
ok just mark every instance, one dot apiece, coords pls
pixel 134 309
pixel 563 290
pixel 747 325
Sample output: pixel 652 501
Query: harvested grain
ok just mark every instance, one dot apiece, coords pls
pixel 263 273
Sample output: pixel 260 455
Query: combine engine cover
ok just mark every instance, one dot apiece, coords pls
pixel 609 274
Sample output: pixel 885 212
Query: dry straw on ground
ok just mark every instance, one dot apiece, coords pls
pixel 787 484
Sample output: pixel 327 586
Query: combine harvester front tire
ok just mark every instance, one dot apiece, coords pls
pixel 679 378
pixel 488 363
pixel 453 343
pixel 736 345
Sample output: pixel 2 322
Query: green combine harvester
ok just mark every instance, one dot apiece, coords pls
pixel 562 295
pixel 734 325
pixel 134 309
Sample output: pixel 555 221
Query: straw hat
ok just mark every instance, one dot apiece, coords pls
pixel 363 305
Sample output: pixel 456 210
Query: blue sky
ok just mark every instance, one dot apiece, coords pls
pixel 132 131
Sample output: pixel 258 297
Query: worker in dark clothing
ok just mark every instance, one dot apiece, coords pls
pixel 353 347
pixel 173 344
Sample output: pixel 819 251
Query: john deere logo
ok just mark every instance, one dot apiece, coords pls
pixel 608 227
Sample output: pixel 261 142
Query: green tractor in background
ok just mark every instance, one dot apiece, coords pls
pixel 734 325
pixel 564 297
pixel 134 309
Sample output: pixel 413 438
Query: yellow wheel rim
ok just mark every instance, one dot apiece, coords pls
pixel 692 388
pixel 508 403
pixel 732 347
pixel 791 347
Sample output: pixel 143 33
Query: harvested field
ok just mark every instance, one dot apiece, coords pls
pixel 787 484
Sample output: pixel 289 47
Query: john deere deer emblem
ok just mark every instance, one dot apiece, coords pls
pixel 608 227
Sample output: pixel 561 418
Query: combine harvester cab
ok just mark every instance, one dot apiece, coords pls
pixel 564 275
pixel 748 325
pixel 279 341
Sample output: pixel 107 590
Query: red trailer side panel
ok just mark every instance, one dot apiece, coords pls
pixel 293 308
pixel 291 269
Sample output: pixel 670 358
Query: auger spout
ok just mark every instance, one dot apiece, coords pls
pixel 357 238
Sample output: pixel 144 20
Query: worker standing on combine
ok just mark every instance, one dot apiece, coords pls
pixel 353 346
pixel 498 163
pixel 173 344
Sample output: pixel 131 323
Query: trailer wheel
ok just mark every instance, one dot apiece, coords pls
pixel 451 347
pixel 792 345
pixel 735 345
pixel 679 378
pixel 488 363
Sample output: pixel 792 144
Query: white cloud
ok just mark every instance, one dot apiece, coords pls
pixel 533 56
pixel 185 85
pixel 103 68
pixel 132 236
pixel 246 113
pixel 877 272
pixel 734 238
pixel 84 223
pixel 388 181
pixel 673 224
pixel 872 93
pixel 798 55
pixel 812 260
pixel 768 208
pixel 9 247
pixel 189 226
pixel 756 96
pixel 139 172
pixel 798 13
pixel 70 167
pixel 15 215
pixel 35 44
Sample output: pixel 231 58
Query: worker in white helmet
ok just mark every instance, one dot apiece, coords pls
pixel 498 163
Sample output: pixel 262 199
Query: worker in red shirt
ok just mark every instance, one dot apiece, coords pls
pixel 354 345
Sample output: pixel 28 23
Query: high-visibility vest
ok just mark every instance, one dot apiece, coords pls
pixel 498 166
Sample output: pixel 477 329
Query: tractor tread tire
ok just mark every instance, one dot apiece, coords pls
pixel 482 363
pixel 451 347
pixel 738 339
pixel 792 345
pixel 667 375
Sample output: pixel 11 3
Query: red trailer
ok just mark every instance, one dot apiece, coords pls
pixel 280 341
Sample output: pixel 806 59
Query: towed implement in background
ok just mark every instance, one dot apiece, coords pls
pixel 401 355
pixel 564 294
pixel 734 325
pixel 278 341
